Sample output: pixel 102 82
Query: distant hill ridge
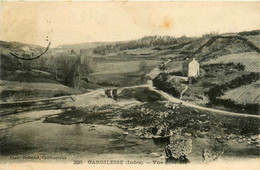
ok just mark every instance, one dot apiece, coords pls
pixel 202 55
pixel 146 41
pixel 203 48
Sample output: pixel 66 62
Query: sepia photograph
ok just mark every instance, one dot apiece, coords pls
pixel 127 84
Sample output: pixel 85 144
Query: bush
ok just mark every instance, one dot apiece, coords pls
pixel 177 73
pixel 248 33
pixel 148 41
pixel 161 83
pixel 218 90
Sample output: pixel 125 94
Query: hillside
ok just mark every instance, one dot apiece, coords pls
pixel 95 65
pixel 27 80
pixel 223 45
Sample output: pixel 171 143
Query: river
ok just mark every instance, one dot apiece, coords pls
pixel 24 137
pixel 84 141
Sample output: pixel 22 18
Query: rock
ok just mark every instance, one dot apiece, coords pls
pixel 125 133
pixel 112 140
pixel 177 130
pixel 220 139
pixel 241 140
pixel 208 156
pixel 162 157
pixel 187 134
pixel 255 139
pixel 161 130
pixel 153 154
pixel 121 126
pixel 179 148
pixel 135 129
pixel 145 136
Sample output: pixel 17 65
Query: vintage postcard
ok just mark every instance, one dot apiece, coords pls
pixel 127 84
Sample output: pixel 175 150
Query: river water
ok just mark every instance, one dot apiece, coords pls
pixel 30 139
pixel 76 141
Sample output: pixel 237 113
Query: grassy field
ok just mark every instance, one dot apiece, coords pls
pixel 245 94
pixel 122 73
pixel 14 91
pixel 120 67
pixel 174 66
pixel 250 60
pixel 254 39
pixel 127 63
pixel 29 85
pixel 213 76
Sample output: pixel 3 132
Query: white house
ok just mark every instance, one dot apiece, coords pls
pixel 194 68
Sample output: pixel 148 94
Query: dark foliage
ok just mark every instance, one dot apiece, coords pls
pixel 161 83
pixel 177 73
pixel 141 94
pixel 249 33
pixel 148 41
pixel 218 90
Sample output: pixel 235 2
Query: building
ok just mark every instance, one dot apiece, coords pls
pixel 191 69
pixel 194 68
pixel 111 93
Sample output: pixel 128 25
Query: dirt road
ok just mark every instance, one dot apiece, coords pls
pixel 95 93
pixel 170 98
pixel 176 100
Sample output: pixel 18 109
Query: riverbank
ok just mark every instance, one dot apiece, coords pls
pixel 224 135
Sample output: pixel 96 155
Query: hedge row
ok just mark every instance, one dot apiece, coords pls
pixel 219 90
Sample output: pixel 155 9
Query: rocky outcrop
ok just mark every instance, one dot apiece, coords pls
pixel 179 149
pixel 208 156
pixel 161 131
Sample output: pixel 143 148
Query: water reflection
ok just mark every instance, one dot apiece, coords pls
pixel 38 137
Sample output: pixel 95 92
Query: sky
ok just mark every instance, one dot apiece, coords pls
pixel 79 22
